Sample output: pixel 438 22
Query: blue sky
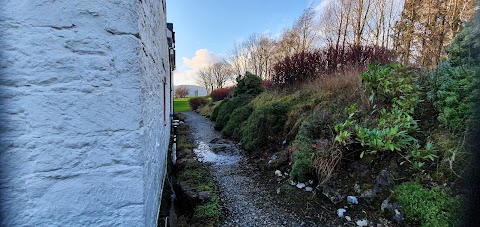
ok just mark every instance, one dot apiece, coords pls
pixel 206 30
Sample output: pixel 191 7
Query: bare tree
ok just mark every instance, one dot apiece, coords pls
pixel 305 31
pixel 301 37
pixel 238 59
pixel 221 72
pixel 181 91
pixel 427 27
pixel 253 55
pixel 205 79
pixel 361 13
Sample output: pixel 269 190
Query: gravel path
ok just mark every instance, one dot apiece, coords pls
pixel 247 201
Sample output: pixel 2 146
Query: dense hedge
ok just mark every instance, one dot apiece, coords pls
pixel 221 93
pixel 196 103
pixel 306 66
pixel 264 127
pixel 226 109
pixel 234 125
pixel 248 84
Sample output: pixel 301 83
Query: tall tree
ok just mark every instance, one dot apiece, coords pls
pixel 220 72
pixel 361 16
pixel 205 79
pixel 427 27
pixel 253 55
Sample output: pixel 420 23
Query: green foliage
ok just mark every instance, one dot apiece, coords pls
pixel 183 143
pixel 207 214
pixel 216 109
pixel 454 95
pixel 465 49
pixel 226 109
pixel 391 85
pixel 427 207
pixel 238 116
pixel 248 84
pixel 394 95
pixel 417 156
pixel 316 125
pixel 455 83
pixel 264 127
pixel 302 166
pixel 199 178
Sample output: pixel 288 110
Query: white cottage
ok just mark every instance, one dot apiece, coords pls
pixel 85 106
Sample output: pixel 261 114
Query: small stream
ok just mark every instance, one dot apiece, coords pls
pixel 247 201
pixel 205 154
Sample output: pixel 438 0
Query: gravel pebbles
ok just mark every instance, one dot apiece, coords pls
pixel 246 201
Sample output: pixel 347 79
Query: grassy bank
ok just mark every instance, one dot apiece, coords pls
pixel 192 181
pixel 181 105
pixel 372 119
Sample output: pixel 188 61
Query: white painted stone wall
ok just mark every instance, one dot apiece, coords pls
pixel 83 137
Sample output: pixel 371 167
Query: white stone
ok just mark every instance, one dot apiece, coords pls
pixel 341 212
pixel 278 173
pixel 308 189
pixel 83 140
pixel 362 222
pixel 300 185
pixel 352 199
pixel 348 218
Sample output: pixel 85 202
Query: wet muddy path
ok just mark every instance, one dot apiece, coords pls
pixel 247 201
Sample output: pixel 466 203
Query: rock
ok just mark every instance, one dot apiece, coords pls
pixel 272 159
pixel 308 189
pixel 341 212
pixel 348 218
pixel 362 222
pixel 216 140
pixel 399 215
pixel 383 180
pixel 293 183
pixel 278 173
pixel 394 209
pixel 278 190
pixel 385 205
pixel 277 160
pixel 370 193
pixel 204 196
pixel 331 195
pixel 310 182
pixel 352 199
pixel 221 147
pixel 300 185
pixel 187 196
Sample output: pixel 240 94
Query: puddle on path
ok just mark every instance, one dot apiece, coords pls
pixel 205 154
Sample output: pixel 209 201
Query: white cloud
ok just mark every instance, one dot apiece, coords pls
pixel 186 73
pixel 202 58
pixel 184 77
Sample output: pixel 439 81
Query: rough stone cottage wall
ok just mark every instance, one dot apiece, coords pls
pixel 82 134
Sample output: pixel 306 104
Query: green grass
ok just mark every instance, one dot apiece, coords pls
pixel 428 206
pixel 181 105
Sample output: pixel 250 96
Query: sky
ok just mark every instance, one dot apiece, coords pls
pixel 206 30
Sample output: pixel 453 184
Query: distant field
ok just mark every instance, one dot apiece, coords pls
pixel 181 105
